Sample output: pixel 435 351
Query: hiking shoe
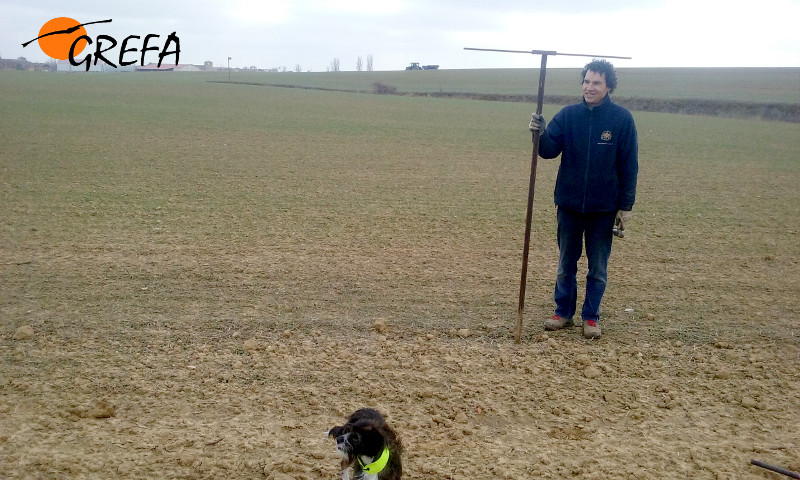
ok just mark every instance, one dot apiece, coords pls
pixel 557 323
pixel 591 329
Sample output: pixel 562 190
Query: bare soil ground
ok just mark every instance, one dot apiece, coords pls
pixel 245 398
pixel 208 291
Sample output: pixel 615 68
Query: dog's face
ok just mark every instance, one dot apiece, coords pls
pixel 361 437
pixel 346 438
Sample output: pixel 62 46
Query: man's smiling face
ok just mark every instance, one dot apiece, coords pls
pixel 594 88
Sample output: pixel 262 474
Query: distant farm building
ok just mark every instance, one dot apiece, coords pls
pixel 181 67
pixel 22 63
pixel 66 66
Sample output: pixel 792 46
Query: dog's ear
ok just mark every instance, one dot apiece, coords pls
pixel 335 431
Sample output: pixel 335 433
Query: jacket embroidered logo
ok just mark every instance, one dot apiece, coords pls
pixel 606 136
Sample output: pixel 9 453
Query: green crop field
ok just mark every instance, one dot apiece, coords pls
pixel 151 224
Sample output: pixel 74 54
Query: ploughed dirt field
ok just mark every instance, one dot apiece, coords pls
pixel 464 406
pixel 245 398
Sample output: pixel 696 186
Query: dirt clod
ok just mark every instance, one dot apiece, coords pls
pixel 380 325
pixel 592 372
pixel 583 359
pixel 24 332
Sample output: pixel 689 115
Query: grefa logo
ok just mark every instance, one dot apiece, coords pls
pixel 63 38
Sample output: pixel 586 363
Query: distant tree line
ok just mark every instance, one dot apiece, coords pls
pixel 335 65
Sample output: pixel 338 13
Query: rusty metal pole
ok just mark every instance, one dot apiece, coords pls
pixel 529 215
pixel 534 161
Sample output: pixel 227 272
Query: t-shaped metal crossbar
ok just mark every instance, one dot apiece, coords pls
pixel 534 161
pixel 546 52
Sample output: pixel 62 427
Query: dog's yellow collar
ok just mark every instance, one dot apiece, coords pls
pixel 378 465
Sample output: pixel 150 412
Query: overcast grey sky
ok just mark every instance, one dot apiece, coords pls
pixel 311 33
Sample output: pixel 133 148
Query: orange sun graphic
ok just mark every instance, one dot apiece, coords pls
pixel 58 45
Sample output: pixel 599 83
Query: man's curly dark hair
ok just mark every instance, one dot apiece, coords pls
pixel 603 67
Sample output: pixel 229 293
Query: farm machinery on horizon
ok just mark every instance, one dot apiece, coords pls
pixel 415 66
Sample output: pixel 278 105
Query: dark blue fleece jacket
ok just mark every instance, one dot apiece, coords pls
pixel 599 157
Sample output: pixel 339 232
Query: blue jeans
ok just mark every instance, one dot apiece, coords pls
pixel 573 228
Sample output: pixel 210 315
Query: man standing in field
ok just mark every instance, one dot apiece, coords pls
pixel 595 189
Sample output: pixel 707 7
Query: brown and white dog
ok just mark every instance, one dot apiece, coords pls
pixel 368 447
